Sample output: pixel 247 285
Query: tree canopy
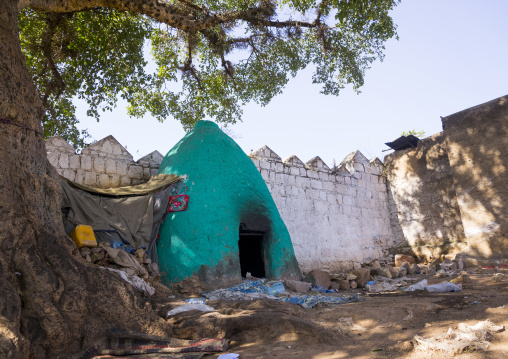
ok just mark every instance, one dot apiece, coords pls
pixel 208 57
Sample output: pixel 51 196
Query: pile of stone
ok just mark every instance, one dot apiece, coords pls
pixel 133 264
pixel 371 270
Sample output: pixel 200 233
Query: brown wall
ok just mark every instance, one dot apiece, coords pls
pixel 477 141
pixel 423 192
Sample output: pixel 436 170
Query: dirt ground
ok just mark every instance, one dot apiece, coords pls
pixel 380 326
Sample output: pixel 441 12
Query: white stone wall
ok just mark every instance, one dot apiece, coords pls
pixel 103 164
pixel 336 217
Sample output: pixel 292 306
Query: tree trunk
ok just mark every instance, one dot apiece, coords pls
pixel 51 301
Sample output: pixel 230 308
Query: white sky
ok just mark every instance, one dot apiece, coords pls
pixel 451 55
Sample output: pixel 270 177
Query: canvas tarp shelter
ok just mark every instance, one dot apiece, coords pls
pixel 133 213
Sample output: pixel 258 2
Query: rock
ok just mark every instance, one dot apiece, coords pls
pixel 449 266
pixel 344 285
pixel 84 251
pixel 498 277
pixel 97 256
pixel 336 285
pixel 350 276
pixel 442 273
pixel 431 269
pixel 362 276
pixel 406 265
pixel 357 265
pixel 385 272
pixel 318 277
pixel 375 264
pixel 460 264
pixel 463 278
pixel 393 271
pixel 402 272
pixel 153 269
pixel 375 271
pixel 401 258
pixel 414 269
pixel 297 286
pixel 353 284
pixel 140 255
pixel 337 277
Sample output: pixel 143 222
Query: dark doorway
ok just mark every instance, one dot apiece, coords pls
pixel 251 253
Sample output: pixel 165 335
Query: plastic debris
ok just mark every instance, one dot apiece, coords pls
pixel 435 288
pixel 474 337
pixel 320 289
pixel 189 307
pixel 250 290
pixel 444 287
pixel 498 277
pixel 229 356
pixel 135 281
pixel 196 300
pixel 275 289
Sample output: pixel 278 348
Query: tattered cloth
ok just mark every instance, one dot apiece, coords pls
pixel 133 212
pixel 153 356
pixel 131 343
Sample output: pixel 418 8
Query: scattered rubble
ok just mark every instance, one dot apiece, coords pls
pixel 297 286
pixel 377 276
pixel 318 277
pixel 137 268
pixel 403 258
pixel 474 337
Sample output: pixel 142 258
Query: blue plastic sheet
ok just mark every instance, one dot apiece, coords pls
pixel 306 301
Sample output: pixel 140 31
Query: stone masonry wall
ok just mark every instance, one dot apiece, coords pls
pixel 477 142
pixel 103 164
pixel 337 218
pixel 448 196
pixel 422 188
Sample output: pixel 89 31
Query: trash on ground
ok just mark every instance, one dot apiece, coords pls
pixel 346 325
pixel 498 277
pixel 83 236
pixel 251 290
pixel 384 284
pixel 275 289
pixel 310 301
pixel 135 281
pixel 196 300
pixel 435 288
pixel 229 356
pixel 189 307
pixel 320 289
pixel 126 260
pixel 475 337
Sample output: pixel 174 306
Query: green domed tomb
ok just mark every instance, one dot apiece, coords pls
pixel 231 225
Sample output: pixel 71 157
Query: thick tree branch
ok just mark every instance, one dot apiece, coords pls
pixel 57 85
pixel 173 15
